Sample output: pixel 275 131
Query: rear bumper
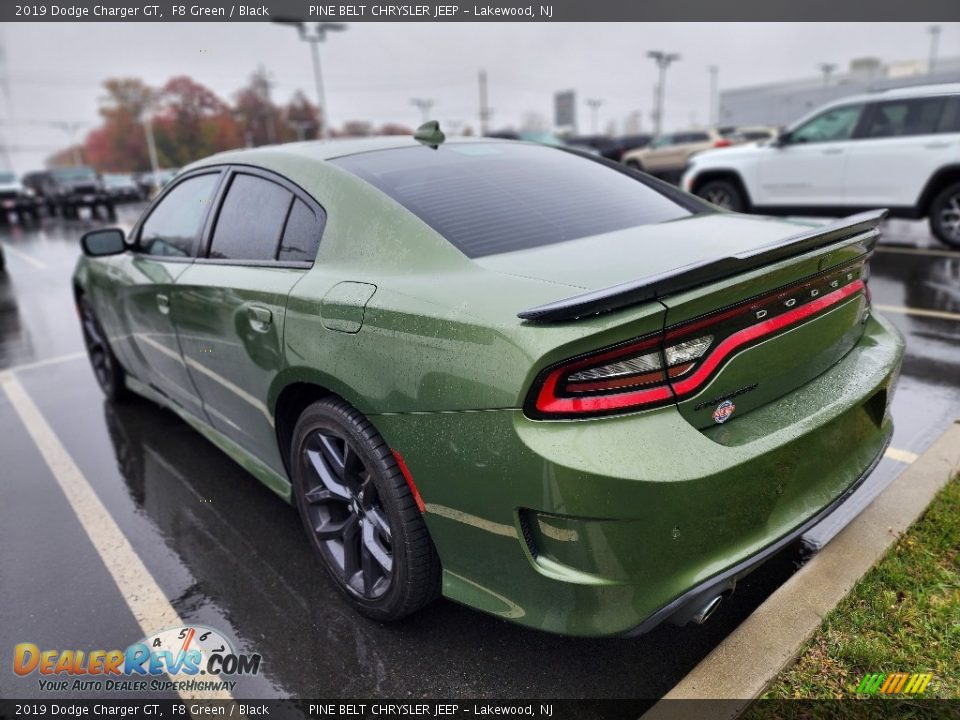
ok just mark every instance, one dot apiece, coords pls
pixel 609 526
pixel 725 582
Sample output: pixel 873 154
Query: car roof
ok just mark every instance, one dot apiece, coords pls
pixel 327 149
pixel 899 92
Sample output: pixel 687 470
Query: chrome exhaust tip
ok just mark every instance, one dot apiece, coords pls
pixel 705 611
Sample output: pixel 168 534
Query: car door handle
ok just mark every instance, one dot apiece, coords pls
pixel 937 145
pixel 833 151
pixel 260 318
pixel 163 304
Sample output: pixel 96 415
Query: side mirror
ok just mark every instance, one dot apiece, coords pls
pixel 781 140
pixel 100 243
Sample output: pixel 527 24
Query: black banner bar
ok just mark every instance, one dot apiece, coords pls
pixel 457 11
pixel 459 709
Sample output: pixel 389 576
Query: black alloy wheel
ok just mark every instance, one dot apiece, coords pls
pixel 724 194
pixel 345 513
pixel 106 368
pixel 360 514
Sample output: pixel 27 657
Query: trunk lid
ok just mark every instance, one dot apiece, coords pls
pixel 754 307
pixel 773 330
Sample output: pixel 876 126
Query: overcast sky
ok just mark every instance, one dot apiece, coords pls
pixel 372 70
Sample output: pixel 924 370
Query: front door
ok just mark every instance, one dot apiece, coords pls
pixel 807 169
pixel 164 247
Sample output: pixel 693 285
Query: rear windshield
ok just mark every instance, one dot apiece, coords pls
pixel 490 198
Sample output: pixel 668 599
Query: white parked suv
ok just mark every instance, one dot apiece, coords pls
pixel 898 149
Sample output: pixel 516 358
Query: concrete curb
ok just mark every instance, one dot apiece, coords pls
pixel 741 667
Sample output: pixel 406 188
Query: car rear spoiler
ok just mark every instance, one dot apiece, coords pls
pixel 700 273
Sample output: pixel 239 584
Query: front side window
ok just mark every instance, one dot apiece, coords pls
pixel 831 126
pixel 173 228
pixel 662 141
pixel 919 116
pixel 488 198
pixel 250 220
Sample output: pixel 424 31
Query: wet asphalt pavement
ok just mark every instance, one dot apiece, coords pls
pixel 230 554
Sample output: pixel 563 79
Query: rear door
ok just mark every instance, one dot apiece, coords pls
pixel 231 304
pixel 808 169
pixel 165 244
pixel 899 146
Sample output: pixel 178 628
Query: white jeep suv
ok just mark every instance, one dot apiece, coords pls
pixel 898 149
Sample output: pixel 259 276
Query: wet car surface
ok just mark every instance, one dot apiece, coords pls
pixel 229 554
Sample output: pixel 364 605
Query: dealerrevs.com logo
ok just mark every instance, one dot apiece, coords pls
pixel 191 658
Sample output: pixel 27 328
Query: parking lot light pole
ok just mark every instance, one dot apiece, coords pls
pixel 594 105
pixel 934 31
pixel 424 105
pixel 151 145
pixel 71 128
pixel 315 35
pixel 714 96
pixel 827 70
pixel 663 60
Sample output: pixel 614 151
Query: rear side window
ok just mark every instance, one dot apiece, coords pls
pixel 173 226
pixel 950 120
pixel 901 118
pixel 251 219
pixel 489 198
pixel 301 236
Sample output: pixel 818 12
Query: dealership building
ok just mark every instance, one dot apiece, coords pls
pixel 781 103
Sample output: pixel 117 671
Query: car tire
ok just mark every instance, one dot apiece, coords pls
pixel 110 375
pixel 360 514
pixel 944 216
pixel 723 193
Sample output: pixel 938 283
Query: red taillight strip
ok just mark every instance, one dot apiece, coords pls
pixel 755 332
pixel 547 402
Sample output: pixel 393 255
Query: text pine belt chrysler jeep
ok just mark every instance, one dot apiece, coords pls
pixel 534 381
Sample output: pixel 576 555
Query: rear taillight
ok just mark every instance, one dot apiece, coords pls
pixel 656 370
pixel 722 142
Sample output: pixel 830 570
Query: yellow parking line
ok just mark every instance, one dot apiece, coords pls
pixel 138 587
pixel 917 251
pixel 904 456
pixel 919 312
pixel 24 256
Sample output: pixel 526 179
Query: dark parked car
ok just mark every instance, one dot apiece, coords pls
pixel 608 147
pixel 122 188
pixel 64 190
pixel 611 148
pixel 15 198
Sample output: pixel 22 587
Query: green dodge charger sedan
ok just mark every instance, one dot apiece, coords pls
pixel 536 382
